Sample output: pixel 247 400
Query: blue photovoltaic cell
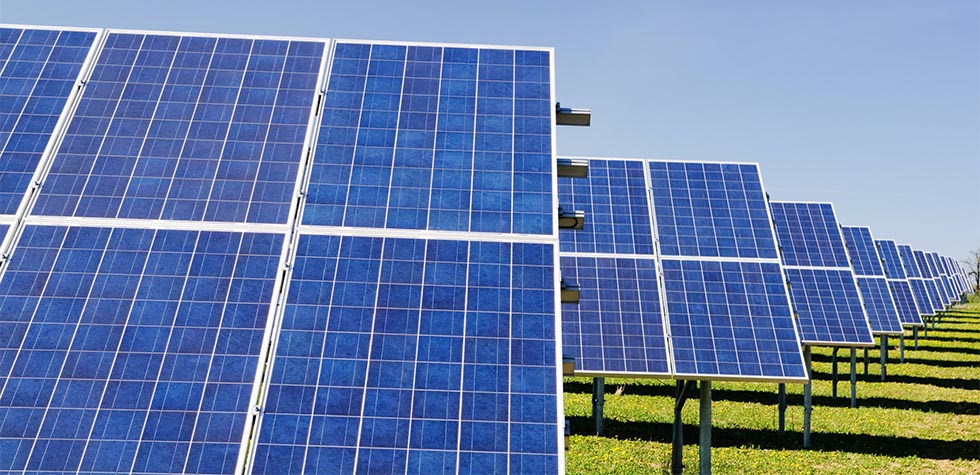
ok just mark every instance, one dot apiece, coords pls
pixel 932 287
pixel 436 138
pixel 879 305
pixel 923 264
pixel 942 280
pixel 711 210
pixel 809 235
pixel 862 250
pixel 908 312
pixel 731 319
pixel 909 265
pixel 131 350
pixel 418 356
pixel 828 306
pixel 187 128
pixel 38 69
pixel 617 325
pixel 891 259
pixel 617 216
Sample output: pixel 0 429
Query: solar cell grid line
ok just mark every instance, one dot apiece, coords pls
pixel 617 326
pixel 706 209
pixel 133 349
pixel 614 199
pixel 414 355
pixel 898 283
pixel 39 68
pixel 879 304
pixel 822 285
pixel 433 137
pixel 187 127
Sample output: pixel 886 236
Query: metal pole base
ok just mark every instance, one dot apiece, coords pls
pixel 782 408
pixel 833 373
pixel 807 399
pixel 884 355
pixel 854 378
pixel 901 347
pixel 704 422
pixel 598 401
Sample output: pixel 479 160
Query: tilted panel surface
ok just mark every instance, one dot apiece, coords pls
pixel 909 264
pixel 862 250
pixel 891 259
pixel 437 138
pixel 932 287
pixel 711 210
pixel 809 235
pixel 617 325
pixel 879 305
pixel 131 350
pixel 186 128
pixel 923 301
pixel 908 312
pixel 828 306
pixel 411 355
pixel 617 214
pixel 731 320
pixel 943 279
pixel 38 70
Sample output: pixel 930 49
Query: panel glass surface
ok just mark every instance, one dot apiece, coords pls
pixel 435 138
pixel 923 301
pixel 909 264
pixel 862 250
pixel 809 235
pixel 731 319
pixel 187 128
pixel 891 259
pixel 942 279
pixel 38 69
pixel 879 305
pixel 908 312
pixel 617 325
pixel 131 349
pixel 617 216
pixel 418 356
pixel 711 210
pixel 828 306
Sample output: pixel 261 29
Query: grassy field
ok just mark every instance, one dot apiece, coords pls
pixel 925 419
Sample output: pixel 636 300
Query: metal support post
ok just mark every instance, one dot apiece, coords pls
pixel 915 334
pixel 807 398
pixel 782 408
pixel 704 423
pixel 901 347
pixel 865 361
pixel 925 327
pixel 884 355
pixel 833 372
pixel 598 400
pixel 854 378
pixel 677 447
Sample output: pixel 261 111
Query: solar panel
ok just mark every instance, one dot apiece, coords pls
pixel 454 138
pixel 909 265
pixel 194 128
pixel 730 319
pixel 711 210
pixel 898 283
pixel 38 71
pixel 614 199
pixel 413 354
pixel 923 301
pixel 878 302
pixel 131 349
pixel 932 287
pixel 434 351
pixel 823 288
pixel 942 280
pixel 617 326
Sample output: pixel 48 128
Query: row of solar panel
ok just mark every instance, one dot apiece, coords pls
pixel 286 329
pixel 638 317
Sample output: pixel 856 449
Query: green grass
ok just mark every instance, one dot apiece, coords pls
pixel 924 419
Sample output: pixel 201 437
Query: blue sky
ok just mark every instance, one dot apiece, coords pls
pixel 872 105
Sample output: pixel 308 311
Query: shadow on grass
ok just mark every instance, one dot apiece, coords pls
pixel 768 438
pixel 951 339
pixel 844 359
pixel 767 398
pixel 909 348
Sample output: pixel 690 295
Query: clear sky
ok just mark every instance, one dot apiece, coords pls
pixel 871 105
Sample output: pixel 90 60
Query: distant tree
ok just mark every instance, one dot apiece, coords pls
pixel 973 263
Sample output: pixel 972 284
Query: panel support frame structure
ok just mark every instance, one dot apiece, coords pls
pixel 598 401
pixel 681 391
pixel 807 398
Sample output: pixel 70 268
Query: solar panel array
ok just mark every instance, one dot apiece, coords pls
pixel 823 287
pixel 245 255
pixel 706 299
pixel 878 301
pixel 898 283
